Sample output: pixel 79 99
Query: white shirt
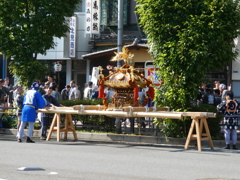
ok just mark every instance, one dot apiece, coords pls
pixel 87 93
pixel 74 94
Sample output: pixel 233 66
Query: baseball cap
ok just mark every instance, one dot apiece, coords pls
pixel 222 86
pixel 35 86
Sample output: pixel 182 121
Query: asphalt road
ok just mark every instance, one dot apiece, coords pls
pixel 107 161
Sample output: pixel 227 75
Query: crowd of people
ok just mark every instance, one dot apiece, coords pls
pixel 212 95
pixel 47 95
pixel 38 96
pixel 222 97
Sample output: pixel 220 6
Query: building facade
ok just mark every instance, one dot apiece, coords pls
pixel 93 50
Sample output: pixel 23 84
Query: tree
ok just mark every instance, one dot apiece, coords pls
pixel 27 27
pixel 189 39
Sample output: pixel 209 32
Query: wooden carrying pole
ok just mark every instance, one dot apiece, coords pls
pixel 143 109
pixel 116 113
pixel 197 114
pixel 88 107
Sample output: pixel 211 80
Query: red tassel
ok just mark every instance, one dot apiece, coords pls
pixel 135 91
pixel 101 91
pixel 151 92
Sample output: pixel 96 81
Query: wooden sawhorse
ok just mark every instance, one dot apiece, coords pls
pixel 199 123
pixel 68 127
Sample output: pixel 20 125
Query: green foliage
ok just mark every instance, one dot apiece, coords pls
pixel 180 128
pixel 189 38
pixel 96 122
pixel 92 121
pixel 27 27
pixel 37 126
pixel 25 69
pixel 9 121
pixel 79 102
pixel 172 127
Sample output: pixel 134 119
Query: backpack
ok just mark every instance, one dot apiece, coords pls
pixel 211 99
pixel 231 106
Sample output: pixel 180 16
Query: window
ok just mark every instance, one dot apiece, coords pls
pixel 109 12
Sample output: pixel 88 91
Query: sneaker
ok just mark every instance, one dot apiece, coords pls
pixel 43 138
pixel 29 140
pixel 227 146
pixel 19 140
pixel 24 135
pixel 234 147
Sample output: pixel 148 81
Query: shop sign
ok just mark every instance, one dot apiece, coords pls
pixel 151 73
pixel 72 45
pixel 92 17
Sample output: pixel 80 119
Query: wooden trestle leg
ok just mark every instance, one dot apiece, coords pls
pixel 69 126
pixel 199 136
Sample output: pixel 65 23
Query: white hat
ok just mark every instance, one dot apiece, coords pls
pixel 222 86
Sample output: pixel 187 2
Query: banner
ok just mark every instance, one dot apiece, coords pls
pixel 150 73
pixel 92 17
pixel 88 16
pixel 96 16
pixel 95 73
pixel 72 41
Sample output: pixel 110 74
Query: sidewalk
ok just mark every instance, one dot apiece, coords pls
pixel 123 138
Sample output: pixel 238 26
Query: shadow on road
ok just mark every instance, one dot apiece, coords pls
pixel 153 147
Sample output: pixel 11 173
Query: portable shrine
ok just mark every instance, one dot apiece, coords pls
pixel 125 82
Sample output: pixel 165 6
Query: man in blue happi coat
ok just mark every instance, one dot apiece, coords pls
pixel 32 101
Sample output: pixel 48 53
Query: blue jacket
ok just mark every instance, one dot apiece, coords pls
pixel 32 101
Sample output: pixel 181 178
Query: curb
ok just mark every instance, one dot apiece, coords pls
pixel 121 138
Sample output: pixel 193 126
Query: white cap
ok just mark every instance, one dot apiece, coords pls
pixel 222 86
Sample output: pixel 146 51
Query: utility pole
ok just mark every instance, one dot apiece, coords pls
pixel 120 29
pixel 119 45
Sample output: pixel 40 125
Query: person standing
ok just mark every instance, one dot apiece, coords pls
pixel 209 97
pixel 142 98
pixel 46 86
pixel 74 93
pixel 223 90
pixel 77 93
pixel 65 92
pixel 50 80
pixel 32 101
pixel 230 108
pixel 109 94
pixel 19 102
pixel 94 93
pixel 141 103
pixel 88 91
pixel 218 98
pixel 3 97
pixel 50 102
pixel 55 93
pixel 9 90
pixel 3 94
